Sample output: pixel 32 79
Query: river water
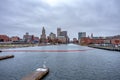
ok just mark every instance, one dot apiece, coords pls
pixel 87 64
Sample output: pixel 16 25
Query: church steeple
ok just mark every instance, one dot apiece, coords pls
pixel 43 36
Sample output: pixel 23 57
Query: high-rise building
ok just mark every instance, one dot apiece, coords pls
pixel 63 33
pixel 58 31
pixel 91 35
pixel 81 35
pixel 43 36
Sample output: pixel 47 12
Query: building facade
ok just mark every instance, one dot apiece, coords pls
pixel 75 40
pixel 36 40
pixel 14 39
pixel 58 31
pixel 62 35
pixel 115 41
pixel 52 36
pixel 62 39
pixel 28 38
pixel 81 35
pixel 4 38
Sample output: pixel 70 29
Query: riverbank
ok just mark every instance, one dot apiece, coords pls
pixel 6 46
pixel 110 48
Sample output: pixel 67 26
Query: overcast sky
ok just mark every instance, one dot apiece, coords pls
pixel 100 17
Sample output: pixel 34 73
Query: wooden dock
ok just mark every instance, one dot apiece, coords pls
pixel 37 75
pixel 6 57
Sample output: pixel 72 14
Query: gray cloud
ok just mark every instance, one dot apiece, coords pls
pixel 100 17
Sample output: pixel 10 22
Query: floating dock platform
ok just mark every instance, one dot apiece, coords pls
pixel 6 57
pixel 37 75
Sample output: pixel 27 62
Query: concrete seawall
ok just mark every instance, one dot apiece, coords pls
pixel 105 48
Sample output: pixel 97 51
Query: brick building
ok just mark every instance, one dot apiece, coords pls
pixel 28 38
pixel 4 38
pixel 75 40
pixel 87 41
pixel 115 41
pixel 14 38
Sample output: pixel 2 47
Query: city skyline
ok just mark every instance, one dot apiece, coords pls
pixel 98 17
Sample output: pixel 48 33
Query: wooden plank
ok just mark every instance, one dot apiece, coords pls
pixel 6 57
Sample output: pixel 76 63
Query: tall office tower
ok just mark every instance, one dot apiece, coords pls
pixel 91 35
pixel 63 33
pixel 81 35
pixel 58 31
pixel 43 36
pixel 26 37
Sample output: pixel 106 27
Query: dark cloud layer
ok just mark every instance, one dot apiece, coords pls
pixel 101 17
